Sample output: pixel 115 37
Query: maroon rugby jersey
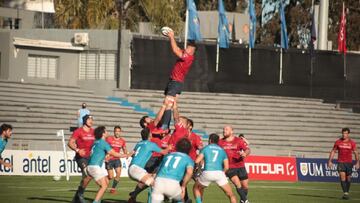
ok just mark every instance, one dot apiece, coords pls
pixel 232 149
pixel 345 149
pixel 180 132
pixel 84 140
pixel 117 144
pixel 182 67
pixel 196 144
pixel 160 142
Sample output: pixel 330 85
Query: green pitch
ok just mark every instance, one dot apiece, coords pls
pixel 15 189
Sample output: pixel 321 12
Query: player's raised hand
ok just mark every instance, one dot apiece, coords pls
pixel 170 34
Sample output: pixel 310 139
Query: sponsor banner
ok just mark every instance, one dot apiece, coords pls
pixel 40 163
pixel 271 168
pixel 318 170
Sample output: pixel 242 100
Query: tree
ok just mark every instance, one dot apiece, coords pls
pixel 352 23
pixel 164 13
pixel 70 14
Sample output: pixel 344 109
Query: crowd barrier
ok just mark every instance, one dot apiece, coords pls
pixel 271 168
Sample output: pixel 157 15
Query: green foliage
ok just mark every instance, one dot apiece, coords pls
pixel 104 14
pixel 164 13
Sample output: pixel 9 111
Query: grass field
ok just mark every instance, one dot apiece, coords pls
pixel 16 189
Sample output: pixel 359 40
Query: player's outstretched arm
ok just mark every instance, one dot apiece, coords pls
pixel 166 151
pixel 115 154
pixel 176 50
pixel 160 113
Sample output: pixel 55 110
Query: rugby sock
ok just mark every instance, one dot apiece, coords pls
pixel 115 182
pixel 149 195
pixel 186 197
pixel 343 186
pixel 246 192
pixel 348 183
pixel 198 200
pixel 81 190
pixel 242 194
pixel 137 191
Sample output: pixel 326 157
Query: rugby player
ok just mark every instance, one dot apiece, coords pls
pixel 345 147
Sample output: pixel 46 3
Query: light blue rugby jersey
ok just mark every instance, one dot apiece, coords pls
pixel 143 151
pixel 3 143
pixel 98 152
pixel 214 157
pixel 174 165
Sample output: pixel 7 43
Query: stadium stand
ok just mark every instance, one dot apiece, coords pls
pixel 274 125
pixel 38 111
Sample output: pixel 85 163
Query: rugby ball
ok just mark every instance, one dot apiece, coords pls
pixel 165 31
pixel 56 178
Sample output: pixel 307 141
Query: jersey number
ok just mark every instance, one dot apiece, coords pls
pixel 137 151
pixel 176 162
pixel 216 153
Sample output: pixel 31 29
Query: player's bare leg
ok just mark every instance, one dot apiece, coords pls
pixel 228 191
pixel 198 190
pixel 239 184
pixel 145 182
pixel 116 179
pixel 345 184
pixel 110 174
pixel 103 183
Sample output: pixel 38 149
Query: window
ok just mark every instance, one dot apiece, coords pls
pixel 42 66
pixel 97 65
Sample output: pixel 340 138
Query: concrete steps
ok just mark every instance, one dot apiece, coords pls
pixel 274 125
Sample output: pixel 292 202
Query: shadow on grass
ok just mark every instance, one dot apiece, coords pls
pixel 47 199
pixel 57 199
pixel 315 196
pixel 113 201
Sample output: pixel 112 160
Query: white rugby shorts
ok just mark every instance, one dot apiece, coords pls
pixel 96 172
pixel 136 172
pixel 165 187
pixel 208 177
